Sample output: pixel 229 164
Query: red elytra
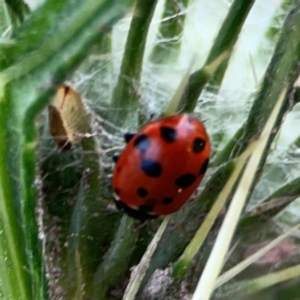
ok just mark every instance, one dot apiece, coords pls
pixel 161 166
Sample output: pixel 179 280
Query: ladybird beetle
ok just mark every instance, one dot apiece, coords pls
pixel 161 166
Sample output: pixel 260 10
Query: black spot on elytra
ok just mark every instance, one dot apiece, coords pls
pixel 151 168
pixel 204 167
pixel 198 145
pixel 142 143
pixel 117 191
pixel 168 134
pixel 146 208
pixel 167 200
pixel 115 157
pixel 128 136
pixel 185 180
pixel 142 192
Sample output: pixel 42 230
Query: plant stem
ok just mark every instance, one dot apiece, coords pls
pixel 125 95
pixel 15 280
pixel 116 260
pixel 224 42
pixel 282 69
pixel 170 30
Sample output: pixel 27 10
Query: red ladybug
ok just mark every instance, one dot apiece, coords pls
pixel 161 166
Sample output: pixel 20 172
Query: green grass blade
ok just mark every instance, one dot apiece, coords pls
pixel 183 263
pixel 228 35
pixel 280 71
pixel 248 287
pixel 125 95
pixel 5 22
pixel 18 8
pixel 272 205
pixel 116 260
pixel 88 220
pixel 170 31
pixel 193 88
pixel 15 281
pixel 173 104
pixel 136 280
pixel 272 279
pixel 252 258
pixel 224 42
pixel 21 101
pixel 215 261
pixel 225 154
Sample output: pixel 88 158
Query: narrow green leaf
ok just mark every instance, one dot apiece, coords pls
pixel 173 104
pixel 243 288
pixel 272 279
pixel 182 264
pixel 215 261
pixel 170 32
pixel 224 42
pixel 125 95
pixel 116 260
pixel 18 8
pixel 226 153
pixel 61 38
pixel 15 281
pixel 137 277
pixel 89 217
pixel 281 70
pixel 5 22
pixel 252 258
pixel 272 205
pixel 194 87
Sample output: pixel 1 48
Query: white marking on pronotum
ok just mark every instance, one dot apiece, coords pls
pixel 116 197
pixel 151 213
pixel 133 207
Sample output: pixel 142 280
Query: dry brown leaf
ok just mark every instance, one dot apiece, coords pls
pixel 68 118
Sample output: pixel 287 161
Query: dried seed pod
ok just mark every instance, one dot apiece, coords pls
pixel 68 118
